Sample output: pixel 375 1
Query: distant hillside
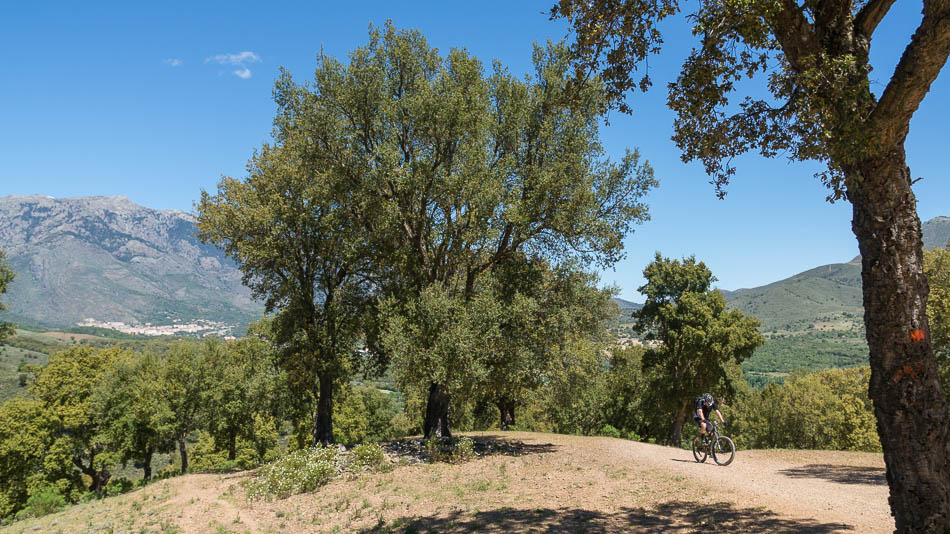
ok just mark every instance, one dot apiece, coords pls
pixel 112 260
pixel 822 293
pixel 627 305
pixel 936 232
pixel 815 319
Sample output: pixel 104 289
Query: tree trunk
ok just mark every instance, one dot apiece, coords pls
pixel 506 408
pixel 147 467
pixel 676 436
pixel 437 413
pixel 184 454
pixel 323 425
pixel 910 406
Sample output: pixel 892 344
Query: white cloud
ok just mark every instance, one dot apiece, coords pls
pixel 172 62
pixel 239 59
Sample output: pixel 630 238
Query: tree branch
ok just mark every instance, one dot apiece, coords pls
pixel 866 21
pixel 918 68
pixel 794 34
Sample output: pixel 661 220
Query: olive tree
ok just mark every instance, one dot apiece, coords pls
pixel 820 106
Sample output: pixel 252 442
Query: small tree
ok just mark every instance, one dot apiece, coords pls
pixel 138 422
pixel 184 382
pixel 543 310
pixel 290 230
pixel 241 390
pixel 695 335
pixel 67 387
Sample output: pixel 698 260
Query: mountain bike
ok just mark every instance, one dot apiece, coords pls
pixel 712 443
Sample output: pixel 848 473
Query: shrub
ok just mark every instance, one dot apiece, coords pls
pixel 609 432
pixel 43 502
pixel 297 472
pixel 369 457
pixel 449 449
pixel 118 486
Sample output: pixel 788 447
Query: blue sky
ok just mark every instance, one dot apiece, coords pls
pixel 157 100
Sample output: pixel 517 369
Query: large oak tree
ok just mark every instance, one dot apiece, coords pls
pixel 821 107
pixel 448 172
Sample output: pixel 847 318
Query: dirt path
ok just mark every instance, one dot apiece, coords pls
pixel 825 486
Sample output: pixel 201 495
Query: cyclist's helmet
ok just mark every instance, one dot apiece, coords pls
pixel 707 399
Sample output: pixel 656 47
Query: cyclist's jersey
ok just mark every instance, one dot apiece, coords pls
pixel 702 406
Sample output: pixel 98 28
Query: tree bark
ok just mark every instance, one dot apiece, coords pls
pixel 323 425
pixel 506 408
pixel 437 413
pixel 676 436
pixel 184 453
pixel 910 406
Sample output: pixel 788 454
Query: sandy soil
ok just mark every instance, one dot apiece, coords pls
pixel 540 483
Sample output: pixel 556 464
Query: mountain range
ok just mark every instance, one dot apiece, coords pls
pixel 109 260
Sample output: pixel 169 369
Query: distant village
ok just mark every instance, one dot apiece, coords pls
pixel 199 328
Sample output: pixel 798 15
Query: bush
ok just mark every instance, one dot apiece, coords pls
pixel 298 472
pixel 609 432
pixel 118 486
pixel 449 449
pixel 43 502
pixel 368 457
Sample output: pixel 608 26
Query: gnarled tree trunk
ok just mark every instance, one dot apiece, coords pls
pixel 323 420
pixel 437 413
pixel 183 452
pixel 910 406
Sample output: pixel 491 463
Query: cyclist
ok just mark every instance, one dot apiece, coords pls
pixel 704 404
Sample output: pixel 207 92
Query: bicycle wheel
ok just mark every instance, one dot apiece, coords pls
pixel 724 451
pixel 699 449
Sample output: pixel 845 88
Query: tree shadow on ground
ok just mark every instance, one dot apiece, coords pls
pixel 842 474
pixel 488 445
pixel 674 517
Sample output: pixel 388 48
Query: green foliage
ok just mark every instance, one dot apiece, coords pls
pixel 808 351
pixel 695 338
pixel 68 388
pixel 829 409
pixel 366 415
pixel 138 423
pixel 44 502
pixel 366 457
pixel 241 390
pixel 937 269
